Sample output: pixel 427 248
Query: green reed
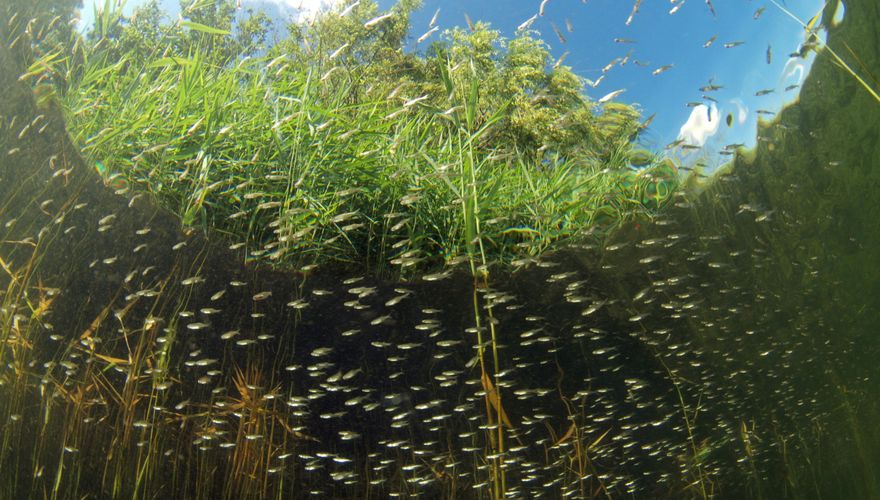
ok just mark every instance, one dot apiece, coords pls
pixel 310 164
pixel 811 28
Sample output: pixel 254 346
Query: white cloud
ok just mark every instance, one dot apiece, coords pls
pixel 702 124
pixel 742 111
pixel 792 66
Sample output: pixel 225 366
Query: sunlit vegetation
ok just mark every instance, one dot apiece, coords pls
pixel 337 145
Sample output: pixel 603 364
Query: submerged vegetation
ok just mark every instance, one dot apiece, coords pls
pixel 714 343
pixel 336 145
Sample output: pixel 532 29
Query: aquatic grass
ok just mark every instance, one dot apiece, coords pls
pixel 698 481
pixel 82 400
pixel 21 333
pixel 750 442
pixel 13 383
pixel 582 465
pixel 125 418
pixel 476 255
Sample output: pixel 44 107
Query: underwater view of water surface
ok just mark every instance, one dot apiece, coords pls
pixel 360 249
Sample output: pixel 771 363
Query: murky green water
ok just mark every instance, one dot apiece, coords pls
pixel 727 349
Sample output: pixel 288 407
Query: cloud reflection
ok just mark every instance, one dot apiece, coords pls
pixel 701 124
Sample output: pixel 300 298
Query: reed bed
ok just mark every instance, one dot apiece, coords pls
pixel 303 160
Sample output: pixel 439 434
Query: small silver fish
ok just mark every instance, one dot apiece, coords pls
pixel 662 69
pixel 611 95
pixel 427 34
pixel 377 20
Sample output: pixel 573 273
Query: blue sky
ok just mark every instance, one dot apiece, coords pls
pixel 658 39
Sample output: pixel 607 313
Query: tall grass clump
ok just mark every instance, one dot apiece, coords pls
pixel 336 146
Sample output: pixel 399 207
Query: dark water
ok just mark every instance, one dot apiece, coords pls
pixel 726 350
